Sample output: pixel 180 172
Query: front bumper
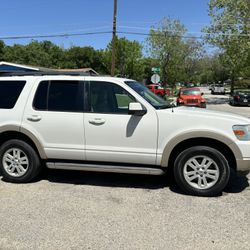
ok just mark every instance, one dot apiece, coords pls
pixel 243 164
pixel 241 150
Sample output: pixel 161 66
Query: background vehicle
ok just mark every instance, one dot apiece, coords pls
pixel 191 97
pixel 240 97
pixel 211 87
pixel 115 125
pixel 156 89
pixel 218 89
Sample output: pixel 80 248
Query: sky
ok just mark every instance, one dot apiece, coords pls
pixel 46 17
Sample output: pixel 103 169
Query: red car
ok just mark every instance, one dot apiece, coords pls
pixel 158 90
pixel 191 97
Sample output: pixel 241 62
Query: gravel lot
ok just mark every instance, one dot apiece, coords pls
pixel 77 210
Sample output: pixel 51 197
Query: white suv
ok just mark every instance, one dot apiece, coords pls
pixel 115 125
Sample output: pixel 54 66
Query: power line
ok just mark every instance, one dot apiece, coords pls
pixel 110 32
pixel 148 34
pixel 53 35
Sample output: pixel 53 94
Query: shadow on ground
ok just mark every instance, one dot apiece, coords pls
pixel 106 179
pixel 237 183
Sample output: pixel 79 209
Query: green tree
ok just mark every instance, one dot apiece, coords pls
pixel 230 31
pixel 166 45
pixel 128 58
pixel 2 45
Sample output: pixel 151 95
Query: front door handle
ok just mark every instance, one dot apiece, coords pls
pixel 34 118
pixel 97 121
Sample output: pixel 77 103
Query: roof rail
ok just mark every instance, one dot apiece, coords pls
pixel 42 73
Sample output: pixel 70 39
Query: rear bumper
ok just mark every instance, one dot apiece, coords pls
pixel 243 164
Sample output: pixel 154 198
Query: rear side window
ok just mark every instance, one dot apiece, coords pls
pixel 9 93
pixel 64 96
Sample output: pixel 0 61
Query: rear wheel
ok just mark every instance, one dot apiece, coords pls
pixel 19 162
pixel 201 171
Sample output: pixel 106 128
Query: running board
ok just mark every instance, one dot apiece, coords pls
pixel 105 168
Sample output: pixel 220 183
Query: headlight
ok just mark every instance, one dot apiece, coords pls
pixel 242 132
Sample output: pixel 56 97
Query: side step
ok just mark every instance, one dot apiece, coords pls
pixel 105 168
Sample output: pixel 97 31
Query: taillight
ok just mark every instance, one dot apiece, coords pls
pixel 237 97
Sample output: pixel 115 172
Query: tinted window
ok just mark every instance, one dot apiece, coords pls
pixel 59 96
pixel 107 97
pixel 41 99
pixel 9 93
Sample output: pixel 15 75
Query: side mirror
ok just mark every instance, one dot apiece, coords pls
pixel 135 108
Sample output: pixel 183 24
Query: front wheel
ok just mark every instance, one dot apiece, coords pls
pixel 201 171
pixel 19 162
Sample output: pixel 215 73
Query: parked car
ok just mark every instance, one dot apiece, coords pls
pixel 106 124
pixel 218 89
pixel 157 89
pixel 191 97
pixel 240 97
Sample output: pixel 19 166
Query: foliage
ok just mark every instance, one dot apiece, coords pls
pixel 230 31
pixel 180 59
pixel 167 47
pixel 128 58
pixel 177 56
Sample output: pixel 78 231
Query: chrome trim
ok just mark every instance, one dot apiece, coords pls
pixel 105 168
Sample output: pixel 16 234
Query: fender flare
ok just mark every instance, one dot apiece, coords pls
pixel 196 135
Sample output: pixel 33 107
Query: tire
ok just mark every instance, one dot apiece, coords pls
pixel 193 175
pixel 19 162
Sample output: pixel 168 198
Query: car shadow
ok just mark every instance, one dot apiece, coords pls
pixel 106 179
pixel 238 181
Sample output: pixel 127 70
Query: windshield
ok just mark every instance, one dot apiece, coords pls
pixel 190 92
pixel 156 101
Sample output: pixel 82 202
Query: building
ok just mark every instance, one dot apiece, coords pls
pixel 6 67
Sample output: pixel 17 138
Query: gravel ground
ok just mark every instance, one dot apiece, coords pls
pixel 78 210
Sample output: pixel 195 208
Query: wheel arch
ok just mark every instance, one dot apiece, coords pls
pixel 31 140
pixel 223 144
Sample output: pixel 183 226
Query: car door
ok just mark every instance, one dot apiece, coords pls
pixel 111 134
pixel 55 117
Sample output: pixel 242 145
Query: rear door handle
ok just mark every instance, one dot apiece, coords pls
pixel 34 118
pixel 97 121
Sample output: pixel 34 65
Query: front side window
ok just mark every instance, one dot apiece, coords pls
pixel 156 101
pixel 9 93
pixel 64 96
pixel 108 97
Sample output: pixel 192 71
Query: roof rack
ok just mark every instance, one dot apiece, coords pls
pixel 42 73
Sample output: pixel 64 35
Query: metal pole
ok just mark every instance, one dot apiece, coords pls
pixel 113 39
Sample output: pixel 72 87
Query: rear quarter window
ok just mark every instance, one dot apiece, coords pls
pixel 9 93
pixel 62 96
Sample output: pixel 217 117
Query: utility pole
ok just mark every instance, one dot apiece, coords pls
pixel 113 39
